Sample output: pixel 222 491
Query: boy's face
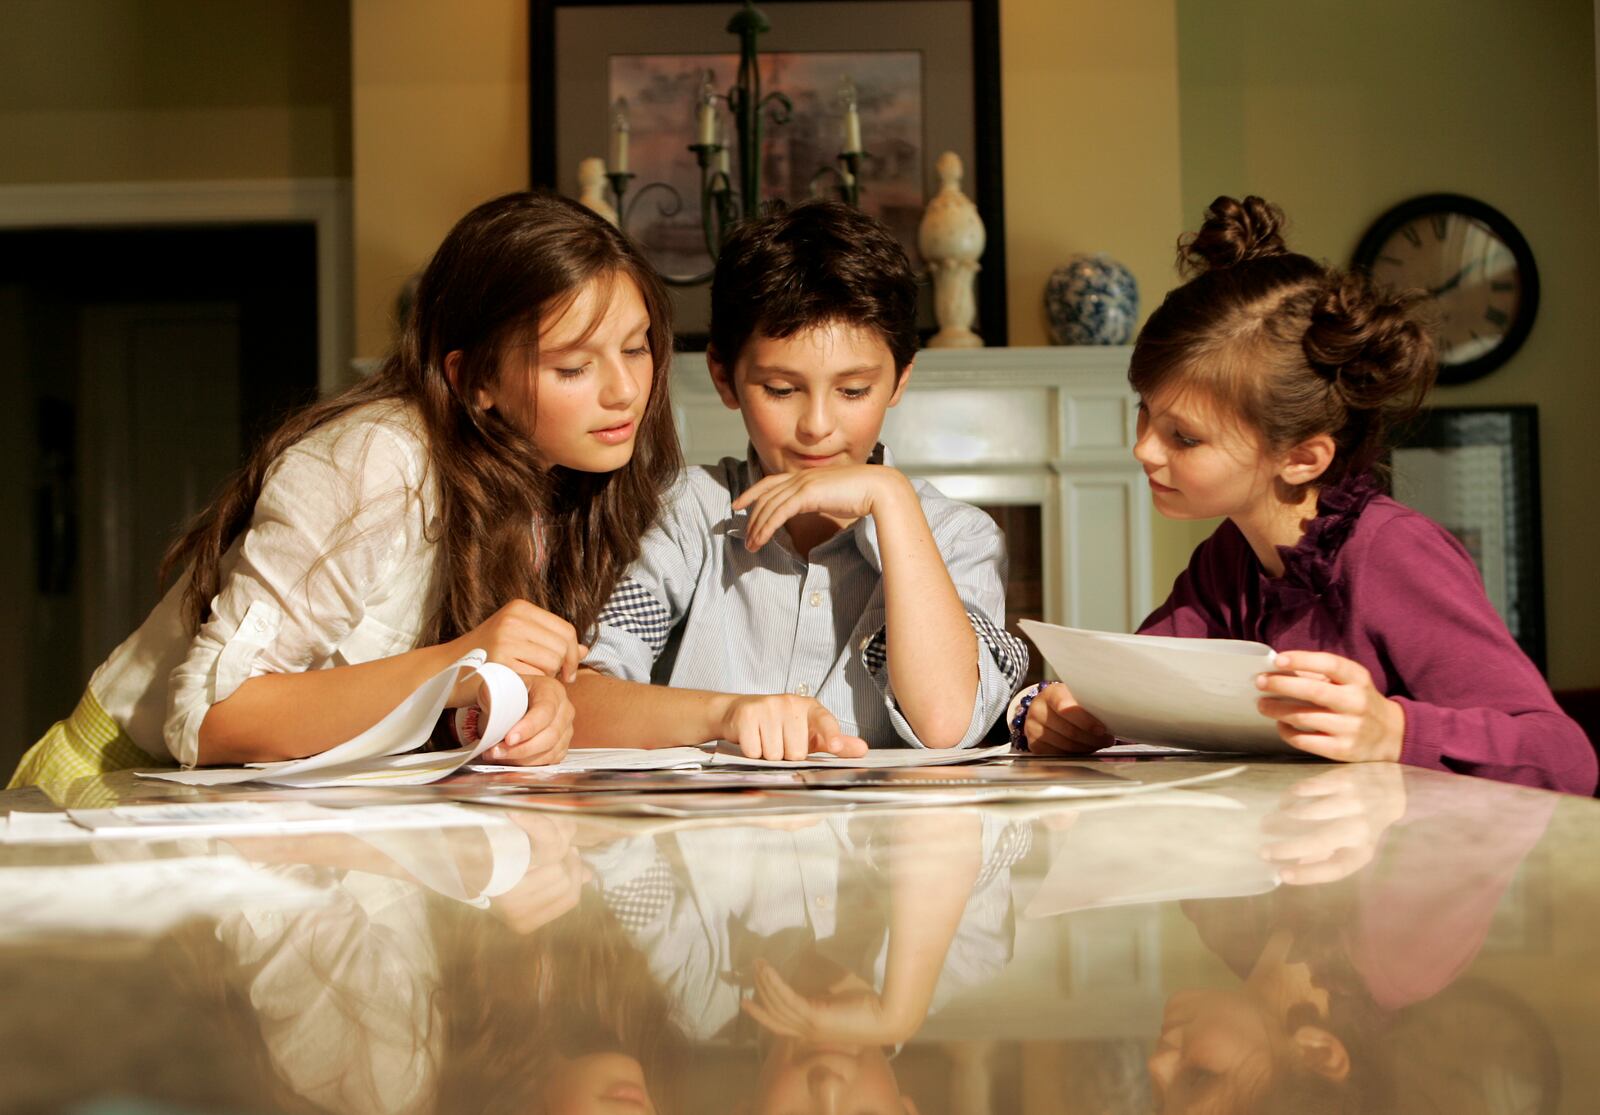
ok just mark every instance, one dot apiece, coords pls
pixel 813 400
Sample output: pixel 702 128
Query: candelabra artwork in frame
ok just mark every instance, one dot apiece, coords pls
pixel 857 99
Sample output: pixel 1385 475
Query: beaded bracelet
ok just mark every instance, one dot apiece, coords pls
pixel 1024 700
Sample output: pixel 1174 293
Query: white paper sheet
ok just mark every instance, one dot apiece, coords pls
pixel 1154 689
pixel 724 804
pixel 378 756
pixel 611 758
pixel 182 820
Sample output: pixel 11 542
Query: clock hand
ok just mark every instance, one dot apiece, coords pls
pixel 1454 280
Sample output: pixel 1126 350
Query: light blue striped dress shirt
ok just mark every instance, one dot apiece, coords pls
pixel 699 611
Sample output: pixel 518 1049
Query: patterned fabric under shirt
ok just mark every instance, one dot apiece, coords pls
pixel 86 743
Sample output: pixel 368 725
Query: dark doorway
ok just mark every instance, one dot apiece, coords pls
pixel 139 366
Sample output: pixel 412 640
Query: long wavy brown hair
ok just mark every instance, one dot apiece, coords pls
pixel 510 526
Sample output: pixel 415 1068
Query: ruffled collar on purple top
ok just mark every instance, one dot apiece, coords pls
pixel 1308 565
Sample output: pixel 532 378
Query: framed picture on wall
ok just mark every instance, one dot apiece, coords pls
pixel 1475 471
pixel 926 76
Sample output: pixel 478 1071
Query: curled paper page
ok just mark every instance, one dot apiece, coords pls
pixel 385 754
pixel 1158 689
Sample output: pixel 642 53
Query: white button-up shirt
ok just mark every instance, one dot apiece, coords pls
pixel 336 567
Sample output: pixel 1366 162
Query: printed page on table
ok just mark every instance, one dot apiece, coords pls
pixel 1154 689
pixel 714 805
pixel 728 754
pixel 991 773
pixel 553 780
pixel 611 758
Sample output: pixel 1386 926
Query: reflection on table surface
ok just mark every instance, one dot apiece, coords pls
pixel 1299 938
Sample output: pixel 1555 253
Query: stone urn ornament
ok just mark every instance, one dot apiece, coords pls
pixel 951 240
pixel 1091 300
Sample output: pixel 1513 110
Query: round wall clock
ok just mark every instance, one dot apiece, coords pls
pixel 1474 264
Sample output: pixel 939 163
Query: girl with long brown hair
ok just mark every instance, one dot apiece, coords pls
pixel 1269 386
pixel 484 489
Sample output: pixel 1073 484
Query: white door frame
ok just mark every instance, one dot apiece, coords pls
pixel 324 202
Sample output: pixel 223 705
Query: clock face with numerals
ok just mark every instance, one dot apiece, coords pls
pixel 1474 265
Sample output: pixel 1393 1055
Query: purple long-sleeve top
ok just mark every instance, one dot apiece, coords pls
pixel 1376 582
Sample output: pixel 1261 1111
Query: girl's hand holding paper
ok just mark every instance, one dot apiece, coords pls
pixel 1057 724
pixel 543 733
pixel 1328 706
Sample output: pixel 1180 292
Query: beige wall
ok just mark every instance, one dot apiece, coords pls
pixel 1092 151
pixel 1121 122
pixel 1337 112
pixel 143 90
pixel 440 118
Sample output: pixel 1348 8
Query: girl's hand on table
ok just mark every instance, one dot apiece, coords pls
pixel 1328 706
pixel 544 732
pixel 782 726
pixel 1057 725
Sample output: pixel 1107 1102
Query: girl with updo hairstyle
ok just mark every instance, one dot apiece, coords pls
pixel 1269 385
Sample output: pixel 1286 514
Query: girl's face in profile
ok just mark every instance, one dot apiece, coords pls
pixel 1201 463
pixel 581 392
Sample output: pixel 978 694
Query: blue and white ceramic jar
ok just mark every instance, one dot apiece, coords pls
pixel 1091 300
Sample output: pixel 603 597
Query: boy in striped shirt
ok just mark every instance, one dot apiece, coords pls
pixel 809 597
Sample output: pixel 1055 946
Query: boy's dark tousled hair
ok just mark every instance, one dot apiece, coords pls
pixel 817 263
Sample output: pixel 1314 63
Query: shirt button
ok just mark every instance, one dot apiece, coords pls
pixel 816 599
pixel 802 690
pixel 822 901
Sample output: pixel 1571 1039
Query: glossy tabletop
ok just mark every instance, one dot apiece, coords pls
pixel 1294 938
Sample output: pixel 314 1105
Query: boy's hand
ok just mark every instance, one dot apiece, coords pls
pixel 1328 706
pixel 780 726
pixel 847 492
pixel 544 732
pixel 1058 725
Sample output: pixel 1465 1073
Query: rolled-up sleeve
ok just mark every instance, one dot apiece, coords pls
pixel 328 528
pixel 655 595
pixel 974 552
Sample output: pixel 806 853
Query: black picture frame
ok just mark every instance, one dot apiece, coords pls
pixel 983 182
pixel 1475 471
pixel 1384 227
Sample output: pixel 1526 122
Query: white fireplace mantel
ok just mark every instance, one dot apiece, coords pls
pixel 1046 426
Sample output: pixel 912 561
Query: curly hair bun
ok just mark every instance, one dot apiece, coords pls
pixel 1372 346
pixel 1234 232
